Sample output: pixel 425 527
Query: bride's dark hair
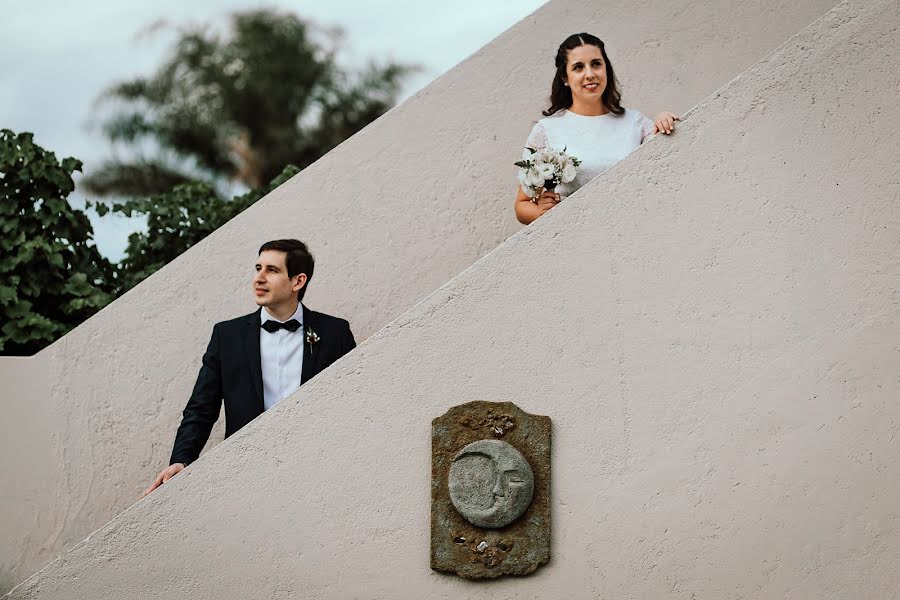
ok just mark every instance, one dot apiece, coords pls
pixel 561 94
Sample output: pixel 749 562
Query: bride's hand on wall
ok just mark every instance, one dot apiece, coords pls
pixel 665 122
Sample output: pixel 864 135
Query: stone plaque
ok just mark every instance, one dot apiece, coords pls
pixel 490 490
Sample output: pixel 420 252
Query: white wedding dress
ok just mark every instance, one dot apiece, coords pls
pixel 598 142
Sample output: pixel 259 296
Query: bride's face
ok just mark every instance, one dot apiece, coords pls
pixel 586 74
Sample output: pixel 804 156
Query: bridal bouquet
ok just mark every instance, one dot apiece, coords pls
pixel 546 168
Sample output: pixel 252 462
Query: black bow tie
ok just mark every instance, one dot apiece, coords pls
pixel 273 326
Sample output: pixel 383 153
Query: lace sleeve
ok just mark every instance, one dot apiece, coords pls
pixel 647 128
pixel 537 139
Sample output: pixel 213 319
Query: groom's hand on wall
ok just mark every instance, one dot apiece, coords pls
pixel 164 475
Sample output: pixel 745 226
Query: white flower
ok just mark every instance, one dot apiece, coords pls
pixel 546 167
pixel 547 170
pixel 534 179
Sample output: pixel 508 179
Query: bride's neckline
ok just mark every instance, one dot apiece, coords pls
pixel 571 112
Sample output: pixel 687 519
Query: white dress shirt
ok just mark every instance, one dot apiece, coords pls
pixel 281 358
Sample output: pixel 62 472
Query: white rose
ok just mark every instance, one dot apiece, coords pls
pixel 568 173
pixel 523 176
pixel 547 170
pixel 534 179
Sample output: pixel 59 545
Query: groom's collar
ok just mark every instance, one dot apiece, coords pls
pixel 299 314
pixel 255 319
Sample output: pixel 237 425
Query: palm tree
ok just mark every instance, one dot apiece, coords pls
pixel 239 107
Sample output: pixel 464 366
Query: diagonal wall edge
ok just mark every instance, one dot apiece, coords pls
pixel 391 215
pixel 713 331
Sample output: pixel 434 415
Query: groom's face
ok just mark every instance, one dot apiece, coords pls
pixel 271 285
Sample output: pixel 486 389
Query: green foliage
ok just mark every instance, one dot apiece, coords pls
pixel 221 109
pixel 239 107
pixel 176 221
pixel 51 277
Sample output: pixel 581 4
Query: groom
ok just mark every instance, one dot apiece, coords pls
pixel 255 361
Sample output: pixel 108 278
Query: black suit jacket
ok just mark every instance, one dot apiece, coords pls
pixel 231 375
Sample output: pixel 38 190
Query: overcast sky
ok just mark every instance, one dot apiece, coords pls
pixel 57 56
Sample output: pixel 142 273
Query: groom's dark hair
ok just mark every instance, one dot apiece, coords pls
pixel 298 259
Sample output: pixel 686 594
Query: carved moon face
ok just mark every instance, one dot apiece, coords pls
pixel 491 483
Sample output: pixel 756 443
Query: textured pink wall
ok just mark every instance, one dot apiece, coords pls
pixel 391 215
pixel 712 325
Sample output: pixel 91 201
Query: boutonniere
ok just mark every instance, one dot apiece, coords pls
pixel 312 338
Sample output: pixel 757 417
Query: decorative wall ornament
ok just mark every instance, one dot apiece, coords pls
pixel 490 490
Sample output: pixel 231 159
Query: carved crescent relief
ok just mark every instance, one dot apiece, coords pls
pixel 491 484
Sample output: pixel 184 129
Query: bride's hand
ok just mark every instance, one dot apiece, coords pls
pixel 665 122
pixel 547 200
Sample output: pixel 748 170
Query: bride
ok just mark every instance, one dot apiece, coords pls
pixel 587 120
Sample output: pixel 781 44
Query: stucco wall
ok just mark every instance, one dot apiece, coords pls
pixel 391 215
pixel 26 506
pixel 711 325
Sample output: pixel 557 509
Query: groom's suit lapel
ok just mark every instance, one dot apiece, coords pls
pixel 309 355
pixel 251 346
